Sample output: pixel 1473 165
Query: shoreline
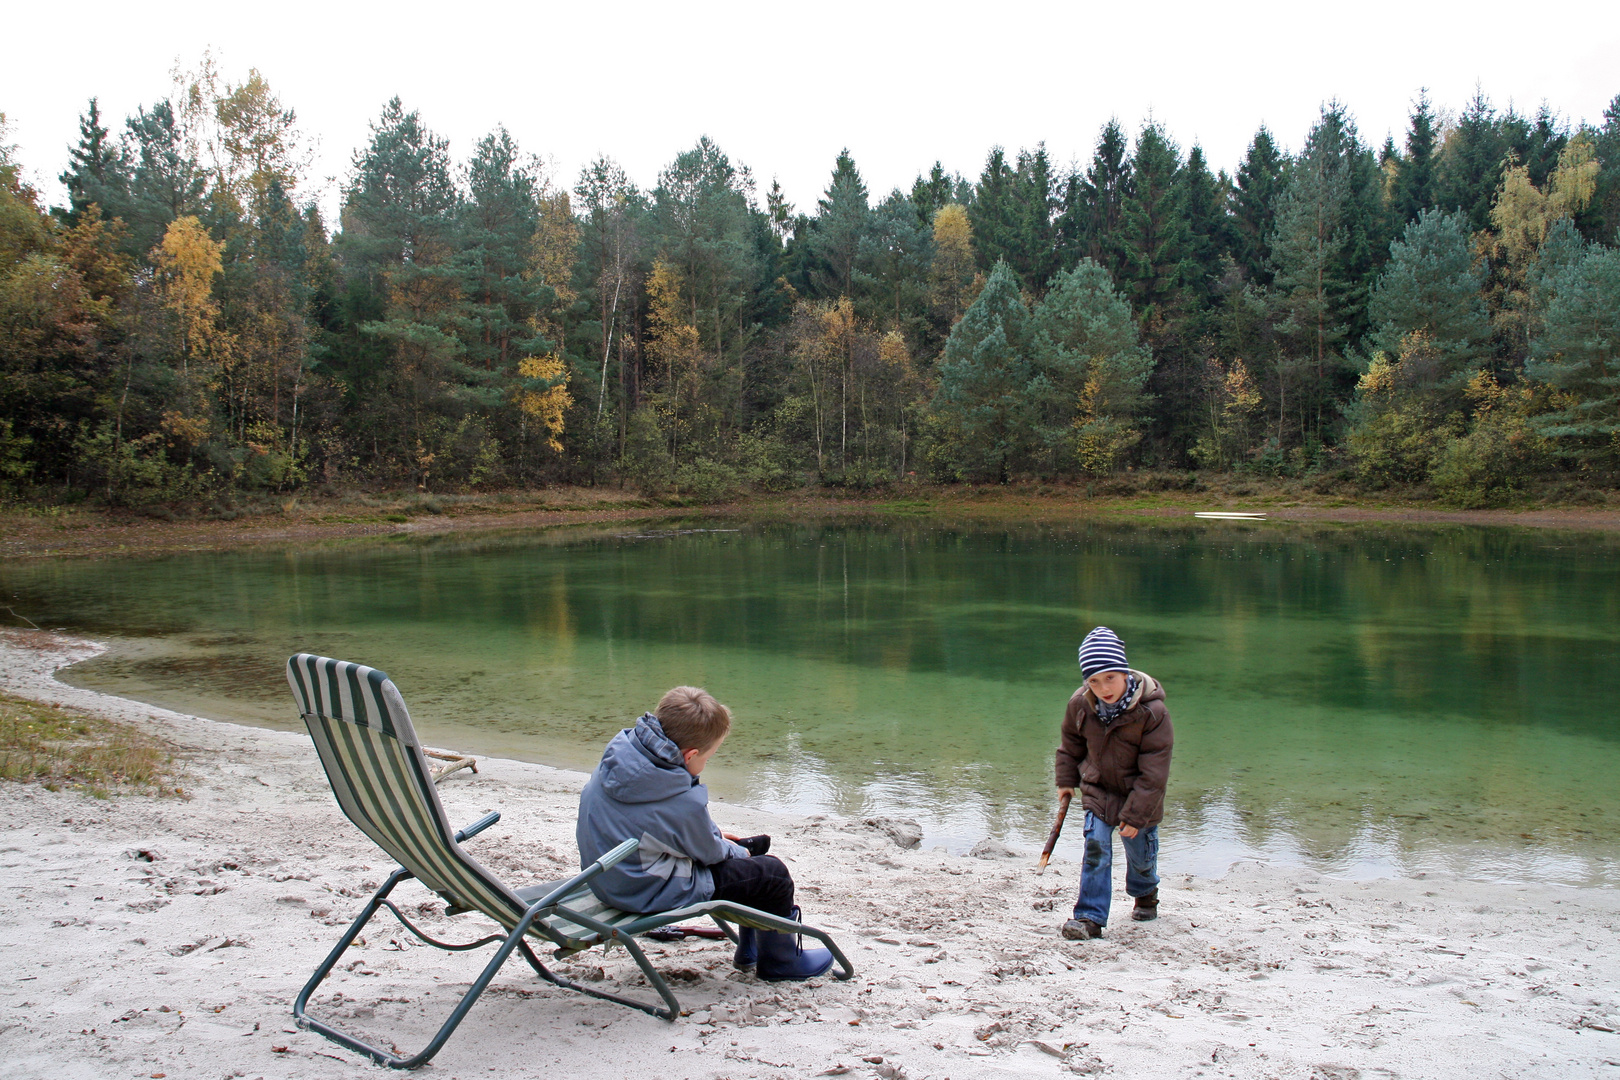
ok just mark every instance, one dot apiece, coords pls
pixel 57 533
pixel 186 964
pixel 1197 849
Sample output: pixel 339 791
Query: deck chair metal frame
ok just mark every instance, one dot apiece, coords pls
pixel 384 785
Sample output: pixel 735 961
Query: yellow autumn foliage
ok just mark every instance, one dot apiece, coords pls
pixel 950 276
pixel 551 257
pixel 1101 440
pixel 672 341
pixel 187 261
pixel 893 352
pixel 260 142
pixel 548 406
pixel 1379 378
pixel 554 246
pixel 1524 213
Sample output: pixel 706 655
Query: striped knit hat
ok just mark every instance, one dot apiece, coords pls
pixel 1102 651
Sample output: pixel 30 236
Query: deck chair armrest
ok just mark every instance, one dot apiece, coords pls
pixel 611 858
pixel 625 849
pixel 478 826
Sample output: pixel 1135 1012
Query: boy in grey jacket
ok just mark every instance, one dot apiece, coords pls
pixel 647 787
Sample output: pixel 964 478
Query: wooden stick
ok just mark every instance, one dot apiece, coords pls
pixel 1057 827
pixel 456 761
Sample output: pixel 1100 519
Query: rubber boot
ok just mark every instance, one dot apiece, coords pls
pixel 783 957
pixel 747 948
pixel 1146 908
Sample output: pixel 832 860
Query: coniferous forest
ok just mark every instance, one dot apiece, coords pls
pixel 1440 310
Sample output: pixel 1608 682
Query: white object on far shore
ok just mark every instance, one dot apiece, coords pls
pixel 1233 515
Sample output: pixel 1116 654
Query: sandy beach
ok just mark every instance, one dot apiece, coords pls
pixel 167 937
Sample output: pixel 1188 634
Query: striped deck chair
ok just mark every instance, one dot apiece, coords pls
pixel 383 784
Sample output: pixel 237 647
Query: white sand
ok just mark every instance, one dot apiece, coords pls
pixel 186 966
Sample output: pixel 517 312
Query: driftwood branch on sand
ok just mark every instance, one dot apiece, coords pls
pixel 453 760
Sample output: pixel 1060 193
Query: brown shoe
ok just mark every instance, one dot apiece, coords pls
pixel 1081 930
pixel 1147 907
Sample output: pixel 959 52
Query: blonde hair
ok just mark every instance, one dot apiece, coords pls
pixel 692 718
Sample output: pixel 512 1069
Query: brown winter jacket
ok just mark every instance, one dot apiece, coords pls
pixel 1120 769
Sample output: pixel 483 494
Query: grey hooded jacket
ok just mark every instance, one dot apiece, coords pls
pixel 642 789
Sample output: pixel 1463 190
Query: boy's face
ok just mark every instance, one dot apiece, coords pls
pixel 1107 685
pixel 696 759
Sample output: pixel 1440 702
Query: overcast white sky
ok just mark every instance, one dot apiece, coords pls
pixel 783 87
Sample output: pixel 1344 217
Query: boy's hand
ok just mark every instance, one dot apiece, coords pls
pixel 1062 791
pixel 755 845
pixel 1128 831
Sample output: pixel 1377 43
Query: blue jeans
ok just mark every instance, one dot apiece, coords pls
pixel 1096 872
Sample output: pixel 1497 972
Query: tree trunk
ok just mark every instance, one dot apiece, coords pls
pixel 607 347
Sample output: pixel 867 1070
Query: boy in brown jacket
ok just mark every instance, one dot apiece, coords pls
pixel 1115 747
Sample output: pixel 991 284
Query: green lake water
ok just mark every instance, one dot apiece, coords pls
pixel 1368 700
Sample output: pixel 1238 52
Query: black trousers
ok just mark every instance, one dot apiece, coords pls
pixel 761 881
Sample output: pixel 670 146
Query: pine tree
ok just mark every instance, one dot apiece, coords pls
pixel 1153 231
pixel 1309 238
pixel 1210 235
pixel 994 211
pixel 166 181
pixel 1322 250
pixel 1560 251
pixel 779 210
pixel 894 257
pixel 1367 224
pixel 1096 207
pixel 1389 164
pixel 843 218
pixel 1414 177
pixel 398 207
pixel 1083 325
pixel 1069 228
pixel 1433 285
pixel 1259 188
pixel 1602 221
pixel 95 171
pixel 1094 365
pixel 1035 250
pixel 1578 352
pixel 502 298
pixel 705 229
pixel 1536 143
pixel 397 246
pixel 1470 167
pixel 1087 345
pixel 987 407
pixel 932 193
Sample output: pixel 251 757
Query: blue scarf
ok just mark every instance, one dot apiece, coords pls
pixel 1107 712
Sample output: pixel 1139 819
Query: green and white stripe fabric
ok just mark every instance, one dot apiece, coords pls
pixel 585 902
pixel 380 776
pixel 381 779
pixel 363 733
